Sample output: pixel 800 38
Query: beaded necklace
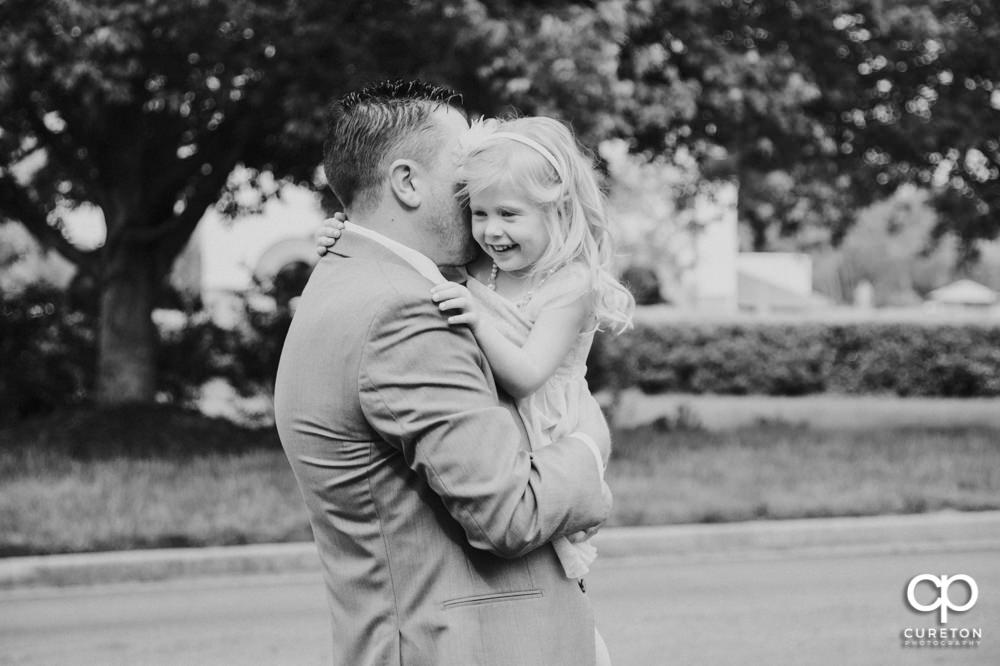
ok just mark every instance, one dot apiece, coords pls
pixel 524 300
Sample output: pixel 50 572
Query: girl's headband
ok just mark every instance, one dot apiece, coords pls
pixel 534 145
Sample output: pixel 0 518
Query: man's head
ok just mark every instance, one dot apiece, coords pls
pixel 395 144
pixel 390 157
pixel 367 127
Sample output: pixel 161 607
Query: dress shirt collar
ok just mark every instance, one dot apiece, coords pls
pixel 420 262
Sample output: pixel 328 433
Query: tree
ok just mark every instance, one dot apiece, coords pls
pixel 818 108
pixel 945 94
pixel 888 247
pixel 892 247
pixel 145 108
pixel 562 64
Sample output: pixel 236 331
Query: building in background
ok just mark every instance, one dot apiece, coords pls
pixel 776 282
pixel 962 295
pixel 701 268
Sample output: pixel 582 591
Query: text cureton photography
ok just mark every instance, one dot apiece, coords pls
pixel 927 593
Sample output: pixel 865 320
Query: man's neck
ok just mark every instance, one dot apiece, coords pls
pixel 398 228
pixel 421 263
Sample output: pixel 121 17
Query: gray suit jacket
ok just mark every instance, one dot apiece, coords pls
pixel 432 519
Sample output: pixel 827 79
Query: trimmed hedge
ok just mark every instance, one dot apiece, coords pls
pixel 47 352
pixel 906 359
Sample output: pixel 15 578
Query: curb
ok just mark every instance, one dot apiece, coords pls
pixel 932 532
pixel 156 565
pixel 887 534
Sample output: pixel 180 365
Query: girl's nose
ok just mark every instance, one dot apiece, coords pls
pixel 493 228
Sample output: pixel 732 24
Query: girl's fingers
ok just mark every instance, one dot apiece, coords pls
pixel 464 318
pixel 446 291
pixel 327 236
pixel 453 304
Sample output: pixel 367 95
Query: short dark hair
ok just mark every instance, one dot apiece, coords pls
pixel 365 125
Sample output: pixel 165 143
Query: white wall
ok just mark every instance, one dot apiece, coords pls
pixel 791 271
pixel 712 280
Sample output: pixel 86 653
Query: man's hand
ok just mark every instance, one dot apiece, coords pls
pixel 583 535
pixel 453 296
pixel 329 232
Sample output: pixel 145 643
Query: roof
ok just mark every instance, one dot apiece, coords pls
pixel 964 292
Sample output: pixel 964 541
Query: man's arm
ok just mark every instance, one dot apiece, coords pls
pixel 424 388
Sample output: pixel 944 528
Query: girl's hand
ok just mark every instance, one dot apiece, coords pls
pixel 329 232
pixel 453 296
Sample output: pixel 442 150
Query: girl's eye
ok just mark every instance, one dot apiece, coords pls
pixel 478 213
pixel 508 213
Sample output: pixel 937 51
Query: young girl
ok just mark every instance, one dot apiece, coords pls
pixel 542 285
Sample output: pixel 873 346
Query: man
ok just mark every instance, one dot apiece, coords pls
pixel 431 518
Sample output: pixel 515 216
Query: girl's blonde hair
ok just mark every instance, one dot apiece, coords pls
pixel 541 158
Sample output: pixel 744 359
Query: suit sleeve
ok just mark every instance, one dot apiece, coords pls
pixel 425 389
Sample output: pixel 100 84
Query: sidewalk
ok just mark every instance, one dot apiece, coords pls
pixel 821 411
pixel 934 532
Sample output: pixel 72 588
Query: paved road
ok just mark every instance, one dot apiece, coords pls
pixel 838 610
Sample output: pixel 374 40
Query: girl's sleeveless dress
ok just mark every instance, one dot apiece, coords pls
pixel 552 411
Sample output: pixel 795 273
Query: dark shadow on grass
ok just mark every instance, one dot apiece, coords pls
pixel 302 533
pixel 133 431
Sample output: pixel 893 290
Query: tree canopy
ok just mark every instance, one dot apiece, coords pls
pixel 817 108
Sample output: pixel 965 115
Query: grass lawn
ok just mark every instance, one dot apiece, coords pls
pixel 151 477
pixel 781 471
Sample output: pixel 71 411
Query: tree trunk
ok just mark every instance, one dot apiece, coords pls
pixel 127 338
pixel 746 212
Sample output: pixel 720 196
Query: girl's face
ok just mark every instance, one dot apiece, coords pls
pixel 509 228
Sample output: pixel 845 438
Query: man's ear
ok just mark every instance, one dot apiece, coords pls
pixel 402 174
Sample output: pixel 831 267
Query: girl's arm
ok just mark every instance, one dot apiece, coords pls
pixel 519 370
pixel 522 370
